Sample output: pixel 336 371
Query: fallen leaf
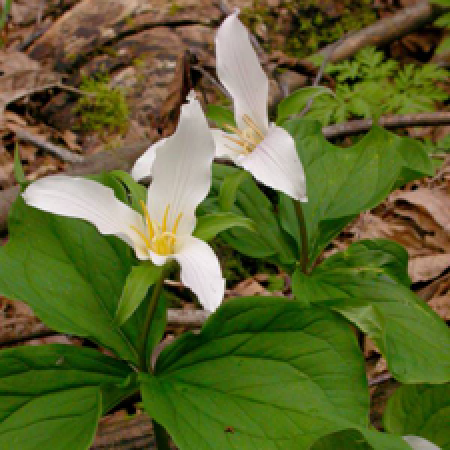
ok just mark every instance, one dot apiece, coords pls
pixel 435 201
pixel 428 267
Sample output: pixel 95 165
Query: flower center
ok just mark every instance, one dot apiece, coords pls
pixel 158 238
pixel 248 138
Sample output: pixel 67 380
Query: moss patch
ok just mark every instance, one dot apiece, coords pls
pixel 301 28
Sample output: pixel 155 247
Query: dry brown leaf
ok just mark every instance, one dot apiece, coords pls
pixel 12 61
pixel 370 226
pixel 435 201
pixel 248 288
pixel 70 138
pixel 441 305
pixel 434 289
pixel 24 82
pixel 428 267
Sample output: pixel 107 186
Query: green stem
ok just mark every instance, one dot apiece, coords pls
pixel 5 13
pixel 161 436
pixel 142 344
pixel 303 236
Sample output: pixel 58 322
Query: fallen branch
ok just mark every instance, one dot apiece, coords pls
pixel 386 30
pixel 124 433
pixel 406 120
pixel 21 329
pixel 55 150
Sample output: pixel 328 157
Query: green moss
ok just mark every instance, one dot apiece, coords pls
pixel 102 108
pixel 307 27
pixel 174 8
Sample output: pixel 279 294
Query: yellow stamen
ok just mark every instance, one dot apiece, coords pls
pixel 164 221
pixel 175 225
pixel 251 124
pixel 248 138
pixel 143 236
pixel 148 220
pixel 158 239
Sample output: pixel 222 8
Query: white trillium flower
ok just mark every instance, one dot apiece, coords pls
pixel 181 180
pixel 419 443
pixel 265 150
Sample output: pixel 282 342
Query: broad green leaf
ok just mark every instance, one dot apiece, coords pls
pixel 263 373
pixel 413 339
pixel 295 102
pixel 420 410
pixel 371 256
pixel 210 225
pixel 342 182
pixel 56 420
pixel 70 275
pixel 28 372
pixel 360 440
pixel 229 188
pixel 220 115
pixel 269 240
pixel 137 284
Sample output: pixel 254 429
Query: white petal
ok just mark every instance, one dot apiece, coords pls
pixel 86 199
pixel 182 170
pixel 225 148
pixel 200 271
pixel 239 70
pixel 418 443
pixel 275 163
pixel 143 166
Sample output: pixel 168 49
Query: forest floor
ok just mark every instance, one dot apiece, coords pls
pixel 83 78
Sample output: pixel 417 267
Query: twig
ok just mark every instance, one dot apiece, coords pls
pixel 207 75
pixel 326 60
pixel 380 379
pixel 23 329
pixel 386 30
pixel 66 87
pixel 60 152
pixel 394 121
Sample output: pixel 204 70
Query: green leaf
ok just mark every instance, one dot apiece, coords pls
pixel 371 256
pixel 229 188
pixel 57 421
pixel 412 338
pixel 420 410
pixel 268 241
pixel 70 275
pixel 137 192
pixel 52 396
pixel 295 102
pixel 209 226
pixel 444 46
pixel 263 373
pixel 59 367
pixel 220 115
pixel 360 440
pixel 137 284
pixel 19 174
pixel 342 182
pixel 444 20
